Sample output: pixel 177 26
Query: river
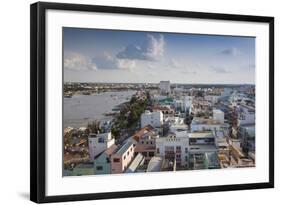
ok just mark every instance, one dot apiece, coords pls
pixel 82 109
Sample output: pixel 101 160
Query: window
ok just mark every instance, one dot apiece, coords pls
pixel 107 160
pixel 144 154
pixel 100 168
pixel 116 160
pixel 151 154
pixel 101 140
pixel 157 150
pixel 186 150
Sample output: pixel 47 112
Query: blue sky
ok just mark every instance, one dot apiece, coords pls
pixel 94 55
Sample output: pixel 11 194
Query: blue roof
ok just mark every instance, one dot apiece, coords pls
pixel 123 148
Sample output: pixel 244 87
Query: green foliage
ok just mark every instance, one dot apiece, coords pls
pixel 94 127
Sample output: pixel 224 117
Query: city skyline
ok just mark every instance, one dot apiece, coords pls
pixel 109 56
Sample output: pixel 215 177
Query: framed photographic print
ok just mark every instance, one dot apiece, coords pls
pixel 129 102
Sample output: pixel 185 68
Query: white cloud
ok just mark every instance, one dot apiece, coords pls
pixel 126 64
pixel 152 49
pixel 78 62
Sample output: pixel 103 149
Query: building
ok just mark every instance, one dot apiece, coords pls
pixel 174 147
pixel 165 109
pixel 187 103
pixel 80 170
pixel 201 142
pixel 246 115
pixel 122 157
pixel 179 105
pixel 212 98
pixel 136 163
pixel 211 161
pixel 102 163
pixel 203 151
pixel 218 115
pixel 99 143
pixel 200 124
pixel 154 119
pixel 155 164
pixel 247 135
pixel 165 87
pixel 145 142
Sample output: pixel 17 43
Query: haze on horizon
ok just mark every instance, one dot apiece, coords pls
pixel 96 55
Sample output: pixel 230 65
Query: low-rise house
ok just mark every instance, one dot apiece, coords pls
pixel 99 143
pixel 102 162
pixel 122 157
pixel 81 169
pixel 145 142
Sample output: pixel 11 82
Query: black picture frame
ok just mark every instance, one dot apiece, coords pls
pixel 38 101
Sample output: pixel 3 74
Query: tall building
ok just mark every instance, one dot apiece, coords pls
pixel 165 87
pixel 187 103
pixel 99 143
pixel 155 119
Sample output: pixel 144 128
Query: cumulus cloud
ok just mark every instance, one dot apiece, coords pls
pixel 152 49
pixel 78 62
pixel 230 51
pixel 126 64
pixel 108 61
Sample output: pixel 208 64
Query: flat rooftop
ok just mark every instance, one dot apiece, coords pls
pixel 207 121
pixel 203 148
pixel 201 135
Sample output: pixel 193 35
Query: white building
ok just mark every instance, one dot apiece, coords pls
pixel 179 104
pixel 200 124
pixel 187 103
pixel 155 119
pixel 246 115
pixel 218 115
pixel 201 142
pixel 174 147
pixel 165 87
pixel 99 143
pixel 212 98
